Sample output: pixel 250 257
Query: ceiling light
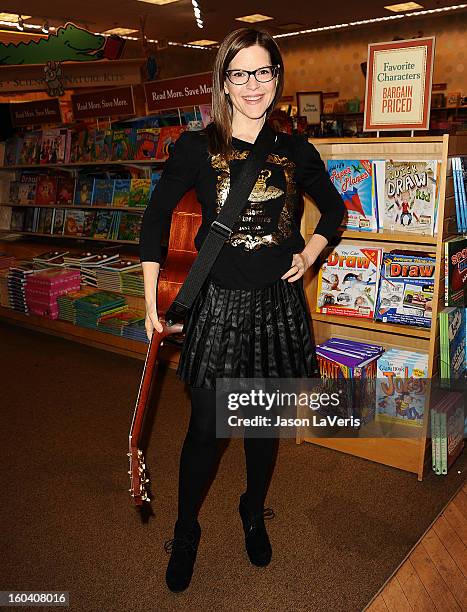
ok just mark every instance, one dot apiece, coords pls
pixel 45 27
pixel 120 31
pixel 203 42
pixel 158 1
pixel 375 20
pixel 13 17
pixel 404 6
pixel 254 18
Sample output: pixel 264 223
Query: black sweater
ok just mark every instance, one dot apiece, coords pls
pixel 266 236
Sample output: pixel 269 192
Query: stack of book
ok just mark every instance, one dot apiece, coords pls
pixel 402 385
pixel 447 431
pixel 43 288
pixel 109 276
pixel 136 331
pixel 90 266
pixel 50 259
pixel 133 282
pixel 67 303
pixel 355 363
pixel 91 308
pixel 17 276
pixel 116 323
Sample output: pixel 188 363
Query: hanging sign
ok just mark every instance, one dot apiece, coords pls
pixel 74 75
pixel 190 90
pixel 107 103
pixel 36 112
pixel 398 85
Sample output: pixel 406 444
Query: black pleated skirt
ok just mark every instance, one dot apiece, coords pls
pixel 247 333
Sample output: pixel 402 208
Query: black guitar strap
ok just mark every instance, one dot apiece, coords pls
pixel 221 228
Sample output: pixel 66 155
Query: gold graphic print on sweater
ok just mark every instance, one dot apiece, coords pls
pixel 260 223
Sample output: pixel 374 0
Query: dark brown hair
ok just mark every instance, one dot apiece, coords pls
pixel 220 130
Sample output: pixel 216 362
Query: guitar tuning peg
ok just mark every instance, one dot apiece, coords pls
pixel 147 480
pixel 129 472
pixel 128 454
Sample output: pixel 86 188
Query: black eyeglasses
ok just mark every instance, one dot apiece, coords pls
pixel 262 75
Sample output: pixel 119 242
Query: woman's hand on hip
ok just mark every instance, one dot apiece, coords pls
pixel 300 264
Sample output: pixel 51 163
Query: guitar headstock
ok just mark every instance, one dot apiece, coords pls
pixel 138 478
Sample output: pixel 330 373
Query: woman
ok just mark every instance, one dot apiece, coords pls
pixel 250 318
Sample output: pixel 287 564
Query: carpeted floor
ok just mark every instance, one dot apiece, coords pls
pixel 342 524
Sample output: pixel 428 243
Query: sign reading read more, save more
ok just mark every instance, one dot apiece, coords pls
pixel 189 90
pixel 398 85
pixel 108 103
pixel 36 112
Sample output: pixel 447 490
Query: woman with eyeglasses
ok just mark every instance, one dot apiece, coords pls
pixel 251 319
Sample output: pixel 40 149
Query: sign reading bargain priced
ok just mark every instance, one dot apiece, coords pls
pixel 398 85
pixel 190 90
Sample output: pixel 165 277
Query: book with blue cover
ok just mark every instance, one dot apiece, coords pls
pixel 84 190
pixel 406 289
pixel 353 179
pixel 103 191
pixel 121 192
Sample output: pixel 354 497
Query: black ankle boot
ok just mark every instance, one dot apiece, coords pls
pixel 257 541
pixel 183 548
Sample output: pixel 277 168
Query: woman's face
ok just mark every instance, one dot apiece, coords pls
pixel 252 99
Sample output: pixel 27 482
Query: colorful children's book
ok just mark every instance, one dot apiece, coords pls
pixel 130 225
pixel 84 190
pixel 452 332
pixel 45 220
pixel 353 179
pixel 102 224
pixel 74 222
pixel 46 190
pixel 348 281
pixel 139 192
pixel 102 145
pixel 17 218
pixel 53 146
pixel 406 288
pixel 27 188
pixel 409 196
pixel 59 221
pixel 88 223
pixel 29 153
pixel 401 388
pixel 121 192
pixel 146 143
pixel 167 139
pixel 65 190
pixel 124 144
pixel 103 191
pixel 455 271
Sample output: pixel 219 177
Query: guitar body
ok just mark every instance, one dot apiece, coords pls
pixel 138 478
pixel 186 220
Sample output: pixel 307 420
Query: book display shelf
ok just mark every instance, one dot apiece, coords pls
pixel 407 453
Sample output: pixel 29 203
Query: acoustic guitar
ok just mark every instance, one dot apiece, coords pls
pixel 186 220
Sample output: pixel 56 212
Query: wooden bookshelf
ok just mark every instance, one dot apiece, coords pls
pixel 77 206
pixel 406 454
pixel 120 162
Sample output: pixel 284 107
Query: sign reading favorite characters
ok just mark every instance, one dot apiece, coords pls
pixel 398 85
pixel 189 90
pixel 107 103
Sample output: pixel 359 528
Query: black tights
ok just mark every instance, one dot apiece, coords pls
pixel 201 453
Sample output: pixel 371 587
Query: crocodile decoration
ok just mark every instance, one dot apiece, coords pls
pixel 68 43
